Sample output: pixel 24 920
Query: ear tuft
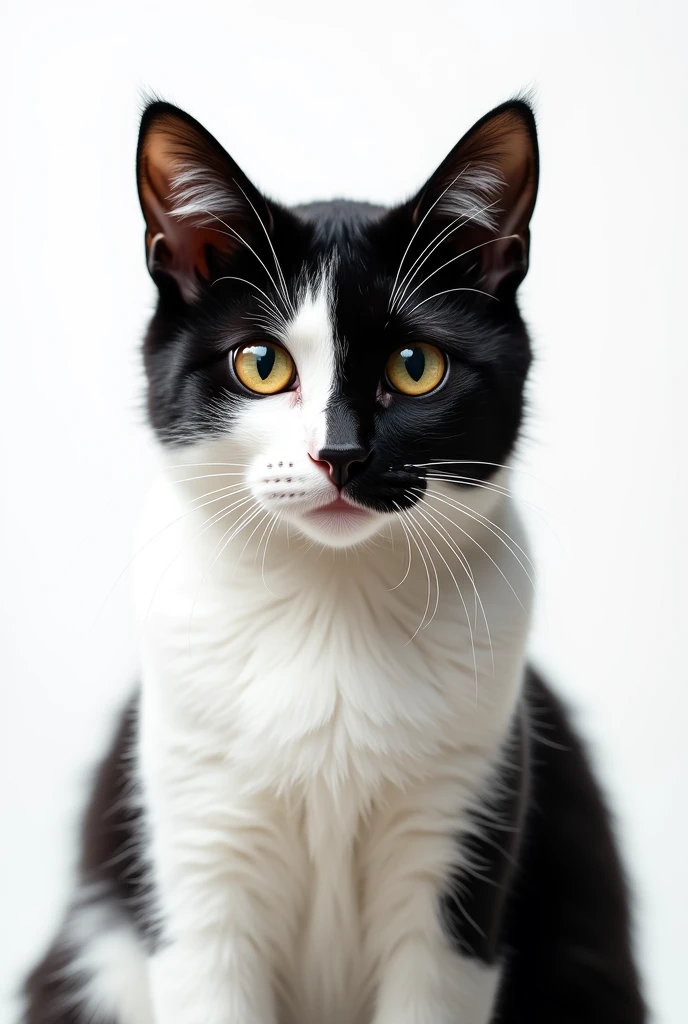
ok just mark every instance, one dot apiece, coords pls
pixel 196 192
pixel 473 195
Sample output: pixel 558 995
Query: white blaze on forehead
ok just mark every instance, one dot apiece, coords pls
pixel 310 337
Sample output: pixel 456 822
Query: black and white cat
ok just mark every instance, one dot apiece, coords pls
pixel 340 796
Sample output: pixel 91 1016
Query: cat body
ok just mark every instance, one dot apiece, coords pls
pixel 339 796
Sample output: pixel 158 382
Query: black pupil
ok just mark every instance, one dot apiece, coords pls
pixel 265 360
pixel 414 361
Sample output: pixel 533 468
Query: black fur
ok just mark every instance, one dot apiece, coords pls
pixel 111 872
pixel 552 903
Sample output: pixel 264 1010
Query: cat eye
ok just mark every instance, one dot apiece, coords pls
pixel 416 369
pixel 264 368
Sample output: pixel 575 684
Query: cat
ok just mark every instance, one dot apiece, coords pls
pixel 340 795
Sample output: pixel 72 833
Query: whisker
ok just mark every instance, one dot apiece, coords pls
pixel 214 519
pixel 465 565
pixel 205 476
pixel 467 481
pixel 408 564
pixel 230 488
pixel 427 571
pixel 155 537
pixel 248 540
pixel 251 284
pixel 233 527
pixel 419 226
pixel 198 465
pixel 479 462
pixel 250 248
pixel 275 520
pixel 463 602
pixel 446 291
pixel 439 240
pixel 477 543
pixel 417 526
pixel 481 245
pixel 272 249
pixel 482 520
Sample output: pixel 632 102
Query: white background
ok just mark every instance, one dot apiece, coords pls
pixel 359 99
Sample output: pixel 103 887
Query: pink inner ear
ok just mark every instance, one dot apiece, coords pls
pixel 176 245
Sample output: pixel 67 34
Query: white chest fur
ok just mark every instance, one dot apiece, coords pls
pixel 307 754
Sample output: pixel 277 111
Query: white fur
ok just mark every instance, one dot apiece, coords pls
pixel 308 754
pixel 109 964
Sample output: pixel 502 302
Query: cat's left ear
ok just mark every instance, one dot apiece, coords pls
pixel 483 194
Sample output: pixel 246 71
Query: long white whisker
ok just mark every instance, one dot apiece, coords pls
pixel 446 291
pixel 439 236
pixel 267 325
pixel 243 280
pixel 463 602
pixel 427 572
pixel 272 250
pixel 229 488
pixel 483 521
pixel 467 481
pixel 408 564
pixel 204 476
pixel 155 537
pixel 212 521
pixel 412 521
pixel 490 241
pixel 275 521
pixel 197 465
pixel 465 565
pixel 486 553
pixel 252 511
pixel 252 250
pixel 248 540
pixel 477 462
pixel 439 240
pixel 419 226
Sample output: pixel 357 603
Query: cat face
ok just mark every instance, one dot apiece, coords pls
pixel 336 355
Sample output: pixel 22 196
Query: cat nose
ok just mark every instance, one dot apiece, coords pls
pixel 337 460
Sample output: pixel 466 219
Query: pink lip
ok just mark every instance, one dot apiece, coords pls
pixel 339 505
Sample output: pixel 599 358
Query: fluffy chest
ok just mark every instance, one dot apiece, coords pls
pixel 323 684
pixel 301 669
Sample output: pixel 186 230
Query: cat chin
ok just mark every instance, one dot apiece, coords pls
pixel 340 529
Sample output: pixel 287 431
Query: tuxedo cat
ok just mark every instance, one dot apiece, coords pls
pixel 339 795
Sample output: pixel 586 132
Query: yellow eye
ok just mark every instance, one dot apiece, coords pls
pixel 264 368
pixel 416 369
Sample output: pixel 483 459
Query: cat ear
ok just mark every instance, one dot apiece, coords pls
pixel 196 201
pixel 484 192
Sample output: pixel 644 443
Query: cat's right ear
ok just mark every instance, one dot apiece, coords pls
pixel 197 203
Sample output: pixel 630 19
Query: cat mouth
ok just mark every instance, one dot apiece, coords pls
pixel 340 508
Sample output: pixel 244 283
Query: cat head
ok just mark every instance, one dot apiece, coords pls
pixel 329 359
